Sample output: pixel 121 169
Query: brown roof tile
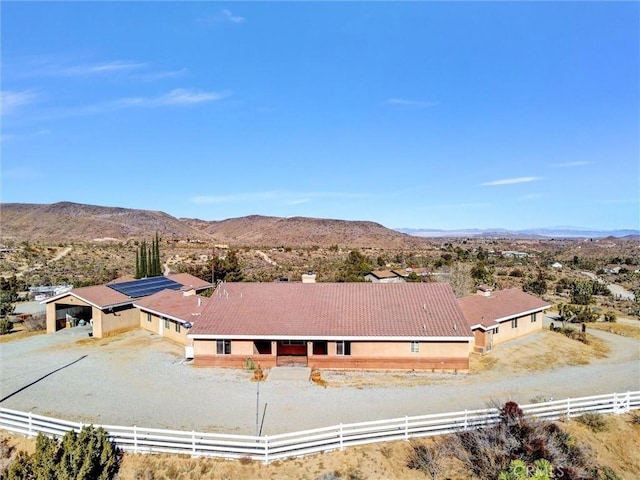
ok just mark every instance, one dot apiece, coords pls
pixel 500 305
pixel 333 310
pixel 173 304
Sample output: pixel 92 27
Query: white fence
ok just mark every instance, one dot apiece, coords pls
pixel 273 447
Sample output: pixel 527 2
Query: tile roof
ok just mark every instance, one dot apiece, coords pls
pixel 189 281
pixel 173 304
pixel 500 305
pixel 326 310
pixel 102 296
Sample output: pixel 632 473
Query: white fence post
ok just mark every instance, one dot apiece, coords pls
pixel 406 427
pixel 135 440
pixel 193 443
pixel 266 449
pixel 30 426
pixel 568 408
pixel 466 420
pixel 340 437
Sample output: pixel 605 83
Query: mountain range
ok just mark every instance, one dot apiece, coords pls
pixel 67 221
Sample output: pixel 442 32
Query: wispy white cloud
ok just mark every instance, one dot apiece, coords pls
pixel 411 103
pixel 52 68
pixel 290 198
pixel 226 14
pixel 300 201
pixel 11 100
pixel 570 164
pixel 223 16
pixel 511 181
pixel 178 96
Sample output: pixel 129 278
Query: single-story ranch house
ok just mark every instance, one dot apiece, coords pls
pixel 109 308
pixel 495 317
pixel 324 325
pixel 333 325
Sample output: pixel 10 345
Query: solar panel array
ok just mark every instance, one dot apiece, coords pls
pixel 145 286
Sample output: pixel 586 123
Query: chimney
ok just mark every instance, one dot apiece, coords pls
pixel 309 277
pixel 484 290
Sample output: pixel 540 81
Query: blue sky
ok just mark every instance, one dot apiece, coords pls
pixel 418 114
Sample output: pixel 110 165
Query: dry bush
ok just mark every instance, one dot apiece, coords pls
pixel 36 322
pixel 595 421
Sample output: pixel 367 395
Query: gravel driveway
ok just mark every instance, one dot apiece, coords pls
pixel 141 379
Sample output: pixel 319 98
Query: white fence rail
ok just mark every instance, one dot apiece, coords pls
pixel 273 447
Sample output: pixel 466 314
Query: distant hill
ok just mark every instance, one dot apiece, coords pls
pixel 66 221
pixel 553 232
pixel 74 221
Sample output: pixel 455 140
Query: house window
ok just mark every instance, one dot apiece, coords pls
pixel 534 318
pixel 223 347
pixel 514 323
pixel 148 317
pixel 177 327
pixel 415 347
pixel 167 323
pixel 496 330
pixel 343 348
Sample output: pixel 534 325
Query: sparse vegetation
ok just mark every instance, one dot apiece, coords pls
pixel 88 455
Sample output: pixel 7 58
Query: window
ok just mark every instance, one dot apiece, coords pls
pixel 223 347
pixel 148 317
pixel 167 323
pixel 343 348
pixel 177 327
pixel 496 331
pixel 415 347
pixel 514 323
pixel 534 318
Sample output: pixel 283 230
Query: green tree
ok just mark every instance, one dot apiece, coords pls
pixel 538 286
pixel 88 455
pixel 482 274
pixel 227 268
pixel 354 268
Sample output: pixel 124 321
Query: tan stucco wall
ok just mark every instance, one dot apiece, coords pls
pixel 525 327
pixel 157 326
pixel 374 355
pixel 106 324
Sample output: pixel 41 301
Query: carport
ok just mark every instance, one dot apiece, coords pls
pixel 72 315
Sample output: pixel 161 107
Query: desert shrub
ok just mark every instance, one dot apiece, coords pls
pixel 88 455
pixel 610 317
pixel 36 322
pixel 635 418
pixel 426 460
pixel 488 452
pixel 595 421
pixel 5 326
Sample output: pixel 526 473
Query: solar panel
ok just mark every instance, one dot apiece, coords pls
pixel 145 286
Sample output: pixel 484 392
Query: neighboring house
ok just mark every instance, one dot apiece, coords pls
pixel 109 308
pixel 418 271
pixel 613 268
pixel 498 316
pixel 333 325
pixel 383 276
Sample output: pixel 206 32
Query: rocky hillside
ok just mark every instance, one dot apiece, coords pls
pixel 71 221
pixel 67 221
